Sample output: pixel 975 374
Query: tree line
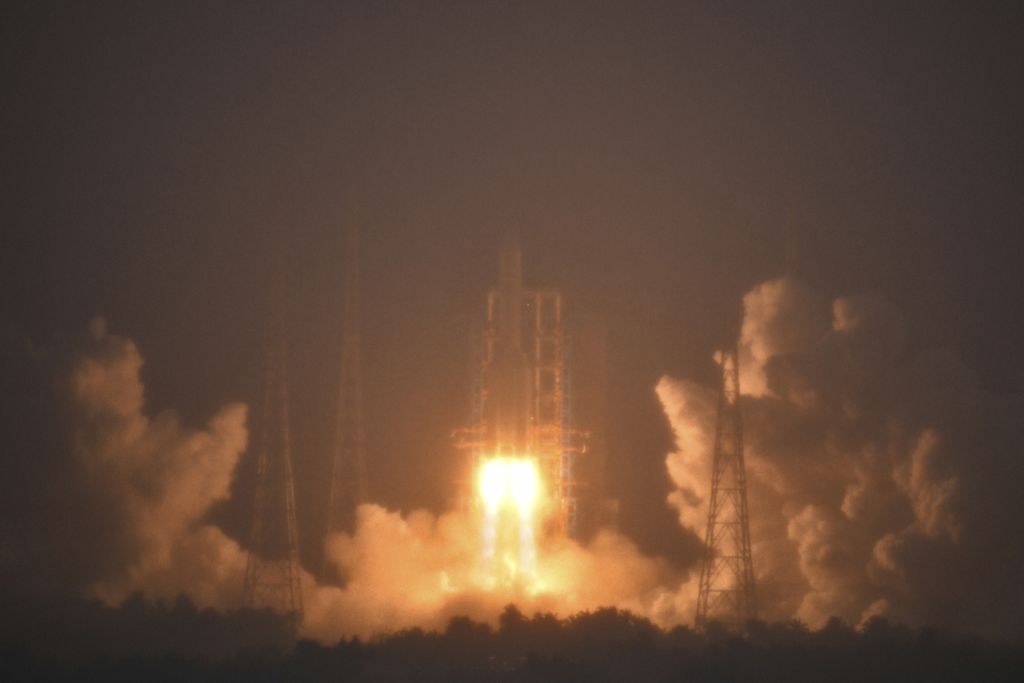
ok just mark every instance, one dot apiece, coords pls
pixel 71 640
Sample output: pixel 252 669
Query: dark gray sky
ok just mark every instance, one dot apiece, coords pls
pixel 156 158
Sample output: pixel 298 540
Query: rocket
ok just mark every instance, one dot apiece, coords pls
pixel 509 382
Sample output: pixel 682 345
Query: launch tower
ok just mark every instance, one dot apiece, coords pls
pixel 727 593
pixel 273 572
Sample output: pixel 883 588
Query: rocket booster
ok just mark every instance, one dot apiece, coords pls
pixel 510 297
pixel 509 385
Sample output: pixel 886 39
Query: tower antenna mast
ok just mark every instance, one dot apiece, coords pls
pixel 727 592
pixel 273 573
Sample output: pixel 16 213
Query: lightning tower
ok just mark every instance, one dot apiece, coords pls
pixel 727 594
pixel 273 572
pixel 348 469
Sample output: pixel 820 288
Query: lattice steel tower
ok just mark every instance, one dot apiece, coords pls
pixel 272 572
pixel 727 593
pixel 349 486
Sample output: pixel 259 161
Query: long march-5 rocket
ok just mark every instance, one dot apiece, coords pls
pixel 509 384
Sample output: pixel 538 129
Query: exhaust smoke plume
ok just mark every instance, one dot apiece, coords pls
pixel 876 485
pixel 421 570
pixel 114 502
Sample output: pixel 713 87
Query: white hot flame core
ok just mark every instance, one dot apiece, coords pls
pixel 509 480
pixel 509 489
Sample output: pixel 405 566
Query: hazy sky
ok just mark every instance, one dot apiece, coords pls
pixel 156 158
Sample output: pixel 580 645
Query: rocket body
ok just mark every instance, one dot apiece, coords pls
pixel 509 384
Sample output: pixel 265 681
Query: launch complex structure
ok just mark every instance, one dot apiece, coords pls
pixel 533 476
pixel 522 445
pixel 523 451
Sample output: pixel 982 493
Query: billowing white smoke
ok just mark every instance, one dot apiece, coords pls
pixel 877 485
pixel 118 503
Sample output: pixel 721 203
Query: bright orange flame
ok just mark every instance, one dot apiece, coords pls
pixel 509 489
pixel 509 480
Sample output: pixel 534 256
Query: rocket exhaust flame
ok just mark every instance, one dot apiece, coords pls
pixel 509 489
pixel 514 480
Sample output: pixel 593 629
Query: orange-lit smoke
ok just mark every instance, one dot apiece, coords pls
pixel 419 570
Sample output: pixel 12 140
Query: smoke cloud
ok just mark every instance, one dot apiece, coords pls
pixel 421 570
pixel 878 485
pixel 114 501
